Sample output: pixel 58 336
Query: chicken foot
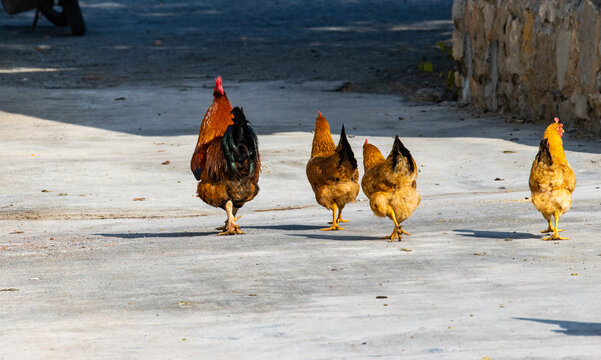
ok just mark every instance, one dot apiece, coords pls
pixel 556 230
pixel 224 227
pixel 335 225
pixel 232 227
pixel 398 228
pixel 550 229
pixel 340 219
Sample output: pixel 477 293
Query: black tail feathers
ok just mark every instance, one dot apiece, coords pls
pixel 239 117
pixel 398 149
pixel 345 150
pixel 240 146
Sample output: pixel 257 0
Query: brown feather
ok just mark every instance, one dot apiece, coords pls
pixel 216 120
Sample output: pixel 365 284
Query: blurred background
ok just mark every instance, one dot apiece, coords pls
pixel 377 46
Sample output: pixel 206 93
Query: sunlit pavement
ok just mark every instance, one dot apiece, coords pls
pixel 105 251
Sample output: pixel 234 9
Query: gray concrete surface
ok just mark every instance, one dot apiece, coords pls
pixel 99 275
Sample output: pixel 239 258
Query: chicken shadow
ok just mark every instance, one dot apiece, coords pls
pixel 330 235
pixel 573 328
pixel 158 235
pixel 495 234
pixel 285 227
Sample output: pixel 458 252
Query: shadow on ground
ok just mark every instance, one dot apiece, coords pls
pixel 486 234
pixel 285 227
pixel 157 235
pixel 574 328
pixel 337 236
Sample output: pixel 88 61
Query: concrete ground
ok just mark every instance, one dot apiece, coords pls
pixel 88 270
pixel 105 252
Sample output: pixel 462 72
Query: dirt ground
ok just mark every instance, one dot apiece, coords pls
pixel 372 46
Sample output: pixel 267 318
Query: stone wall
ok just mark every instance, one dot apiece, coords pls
pixel 531 59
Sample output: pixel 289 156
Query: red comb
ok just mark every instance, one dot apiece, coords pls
pixel 319 112
pixel 218 81
pixel 365 142
pixel 556 120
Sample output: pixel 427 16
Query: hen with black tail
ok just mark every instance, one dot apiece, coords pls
pixel 391 184
pixel 332 171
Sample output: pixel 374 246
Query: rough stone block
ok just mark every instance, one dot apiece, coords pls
pixel 534 59
pixel 562 54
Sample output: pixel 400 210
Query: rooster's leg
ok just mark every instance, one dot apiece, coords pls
pixel 232 227
pixel 224 227
pixel 334 222
pixel 555 235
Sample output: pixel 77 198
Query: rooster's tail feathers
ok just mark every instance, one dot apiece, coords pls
pixel 240 146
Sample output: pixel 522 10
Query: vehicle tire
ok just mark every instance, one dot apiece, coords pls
pixel 58 18
pixel 74 17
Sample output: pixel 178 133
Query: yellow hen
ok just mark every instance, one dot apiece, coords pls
pixel 552 180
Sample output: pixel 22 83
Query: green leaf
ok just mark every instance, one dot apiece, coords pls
pixel 442 46
pixel 428 67
pixel 450 80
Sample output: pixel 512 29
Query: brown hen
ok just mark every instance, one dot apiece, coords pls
pixel 391 184
pixel 332 171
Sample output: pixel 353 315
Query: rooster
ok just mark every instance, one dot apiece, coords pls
pixel 226 160
pixel 552 180
pixel 391 184
pixel 332 171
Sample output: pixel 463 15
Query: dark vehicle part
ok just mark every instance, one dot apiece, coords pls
pixel 63 13
pixel 17 6
pixel 74 17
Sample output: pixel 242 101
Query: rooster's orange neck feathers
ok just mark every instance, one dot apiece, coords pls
pixel 371 156
pixel 323 145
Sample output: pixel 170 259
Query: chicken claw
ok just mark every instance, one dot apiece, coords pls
pixel 234 230
pixel 393 236
pixel 398 228
pixel 396 234
pixel 556 230
pixel 555 237
pixel 231 227
pixel 333 228
pixel 224 227
pixel 340 219
pixel 334 222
